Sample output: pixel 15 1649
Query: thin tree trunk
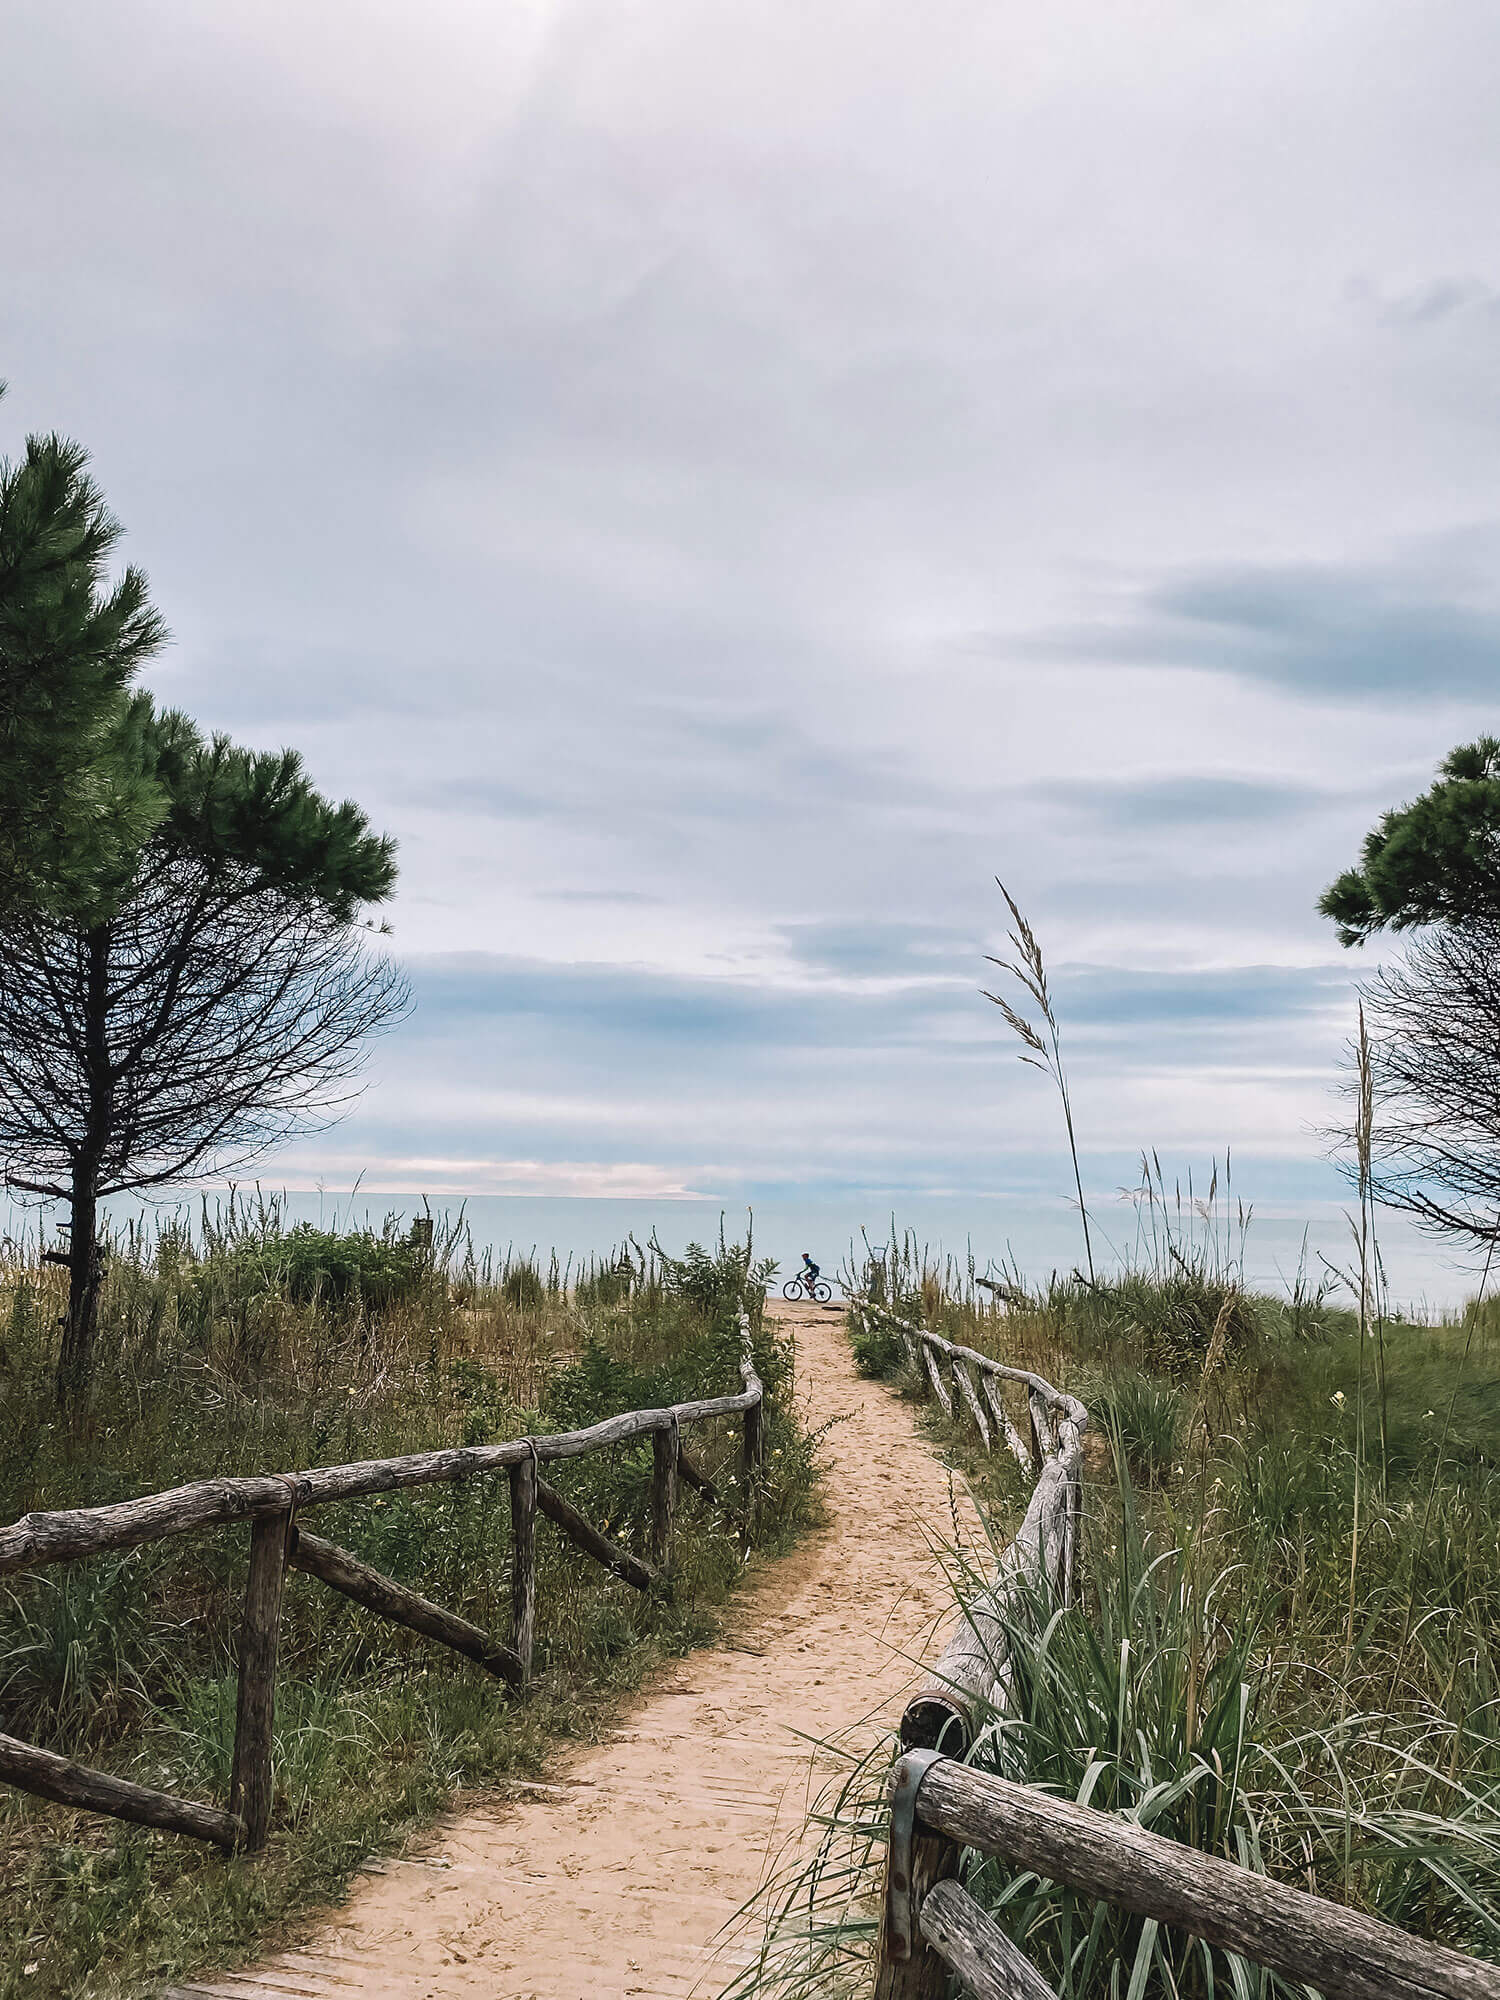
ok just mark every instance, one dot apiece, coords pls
pixel 75 1367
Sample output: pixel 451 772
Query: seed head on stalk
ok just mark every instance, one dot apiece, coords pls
pixel 1029 970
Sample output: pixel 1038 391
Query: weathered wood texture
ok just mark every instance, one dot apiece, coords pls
pixel 971 1681
pixel 985 1363
pixel 523 1562
pixel 252 1775
pixel 629 1568
pixel 921 1974
pixel 755 1413
pixel 664 1458
pixel 1342 1953
pixel 974 1946
pixel 47 1776
pixel 72 1532
pixel 1015 1443
pixel 354 1579
pixel 970 1394
pixel 935 1378
pixel 272 1501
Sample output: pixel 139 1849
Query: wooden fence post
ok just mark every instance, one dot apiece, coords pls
pixel 1038 1412
pixel 523 1561
pixel 665 1445
pixel 250 1784
pixel 906 1965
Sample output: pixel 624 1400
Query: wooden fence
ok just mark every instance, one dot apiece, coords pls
pixel 932 1929
pixel 970 1682
pixel 932 1926
pixel 274 1504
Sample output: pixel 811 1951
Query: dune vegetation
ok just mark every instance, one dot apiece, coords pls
pixel 1285 1647
pixel 240 1344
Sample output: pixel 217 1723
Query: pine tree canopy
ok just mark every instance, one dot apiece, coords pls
pixel 254 814
pixel 70 808
pixel 1435 861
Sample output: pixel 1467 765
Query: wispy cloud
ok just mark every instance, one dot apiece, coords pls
pixel 447 1179
pixel 1418 627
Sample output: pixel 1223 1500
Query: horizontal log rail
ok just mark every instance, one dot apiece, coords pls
pixel 1340 1952
pixel 72 1532
pixel 1056 1399
pixel 274 1503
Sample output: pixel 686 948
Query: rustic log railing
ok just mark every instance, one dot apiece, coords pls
pixel 931 1926
pixel 932 1929
pixel 971 1682
pixel 275 1503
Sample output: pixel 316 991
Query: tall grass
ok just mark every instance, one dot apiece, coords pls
pixel 1218 1678
pixel 243 1345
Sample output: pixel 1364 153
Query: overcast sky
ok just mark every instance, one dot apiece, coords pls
pixel 719 482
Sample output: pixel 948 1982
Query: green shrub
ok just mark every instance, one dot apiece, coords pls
pixel 1144 1418
pixel 879 1350
pixel 522 1287
pixel 308 1265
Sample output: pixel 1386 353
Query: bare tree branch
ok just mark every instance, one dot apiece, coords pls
pixel 234 1016
pixel 1435 1066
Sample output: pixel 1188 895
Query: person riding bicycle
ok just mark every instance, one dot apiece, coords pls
pixel 809 1273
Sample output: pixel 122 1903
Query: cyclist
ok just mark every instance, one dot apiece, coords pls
pixel 809 1274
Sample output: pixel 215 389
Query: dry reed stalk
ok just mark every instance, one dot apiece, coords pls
pixel 1046 1054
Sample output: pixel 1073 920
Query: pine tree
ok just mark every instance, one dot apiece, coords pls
pixel 71 808
pixel 1436 860
pixel 212 999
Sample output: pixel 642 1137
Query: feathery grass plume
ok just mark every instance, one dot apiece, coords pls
pixel 1044 1052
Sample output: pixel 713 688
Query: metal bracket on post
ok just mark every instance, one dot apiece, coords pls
pixel 900 1917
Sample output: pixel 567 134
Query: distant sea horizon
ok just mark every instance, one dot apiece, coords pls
pixel 1033 1234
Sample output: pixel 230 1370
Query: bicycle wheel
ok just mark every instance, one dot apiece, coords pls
pixel 822 1291
pixel 792 1289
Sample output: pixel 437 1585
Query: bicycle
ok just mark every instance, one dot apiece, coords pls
pixel 797 1288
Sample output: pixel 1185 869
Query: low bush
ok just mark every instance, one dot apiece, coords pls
pixel 1144 1418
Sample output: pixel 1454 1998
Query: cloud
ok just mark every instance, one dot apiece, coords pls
pixel 622 898
pixel 1433 302
pixel 880 948
pixel 573 1180
pixel 1349 631
pixel 597 440
pixel 1165 803
pixel 1417 627
pixel 626 1037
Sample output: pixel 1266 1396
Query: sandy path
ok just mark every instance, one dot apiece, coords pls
pixel 617 1876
